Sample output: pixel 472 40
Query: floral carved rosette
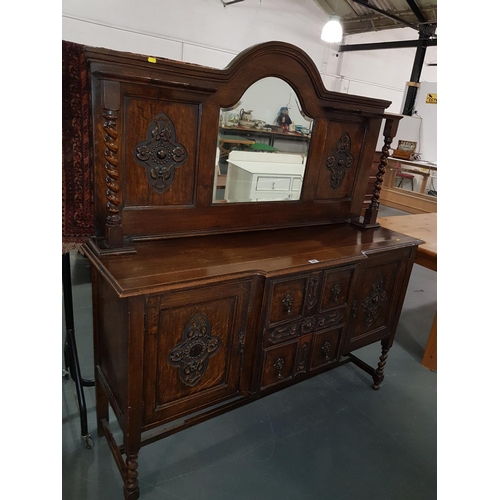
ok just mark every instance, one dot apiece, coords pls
pixel 340 161
pixel 198 344
pixel 160 154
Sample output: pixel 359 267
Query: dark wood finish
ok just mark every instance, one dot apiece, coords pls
pixel 200 307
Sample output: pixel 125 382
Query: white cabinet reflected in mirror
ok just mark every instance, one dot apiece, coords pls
pixel 262 145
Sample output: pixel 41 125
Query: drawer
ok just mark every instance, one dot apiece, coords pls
pixel 294 329
pixel 325 347
pixel 296 184
pixel 273 183
pixel 337 284
pixel 286 299
pixel 279 364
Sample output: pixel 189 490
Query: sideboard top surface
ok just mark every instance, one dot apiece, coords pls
pixel 162 264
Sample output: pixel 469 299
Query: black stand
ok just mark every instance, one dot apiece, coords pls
pixel 71 353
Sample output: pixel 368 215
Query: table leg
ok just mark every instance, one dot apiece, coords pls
pixel 429 359
pixel 424 183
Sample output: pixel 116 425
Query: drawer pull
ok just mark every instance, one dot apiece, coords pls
pixel 287 302
pixel 326 349
pixel 336 293
pixel 279 364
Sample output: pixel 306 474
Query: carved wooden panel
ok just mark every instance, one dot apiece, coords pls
pixel 193 354
pixel 372 311
pixel 336 287
pixel 194 346
pixel 287 299
pixel 160 152
pixel 340 161
pixel 325 347
pixel 279 364
pixel 303 354
pixel 342 151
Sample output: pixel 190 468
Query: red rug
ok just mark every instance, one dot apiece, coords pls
pixel 77 178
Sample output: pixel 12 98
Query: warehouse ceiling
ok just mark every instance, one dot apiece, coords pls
pixel 362 16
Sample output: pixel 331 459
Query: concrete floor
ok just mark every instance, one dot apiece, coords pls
pixel 330 437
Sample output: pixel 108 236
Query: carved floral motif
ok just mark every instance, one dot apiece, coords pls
pixel 373 302
pixel 340 161
pixel 192 355
pixel 160 154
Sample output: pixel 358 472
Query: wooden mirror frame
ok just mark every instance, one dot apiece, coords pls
pixel 129 92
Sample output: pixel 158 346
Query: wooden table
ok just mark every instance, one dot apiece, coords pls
pixel 422 226
pixel 229 142
pixel 395 164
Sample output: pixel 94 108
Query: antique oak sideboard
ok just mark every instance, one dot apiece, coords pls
pixel 200 304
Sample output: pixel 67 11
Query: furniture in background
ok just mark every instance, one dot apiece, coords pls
pixel 228 143
pixel 263 176
pixel 404 175
pixel 424 227
pixel 415 202
pixel 397 167
pixel 200 307
pixel 268 136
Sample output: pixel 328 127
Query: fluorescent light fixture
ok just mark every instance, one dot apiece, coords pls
pixel 332 30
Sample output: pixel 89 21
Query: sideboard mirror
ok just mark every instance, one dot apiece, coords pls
pixel 262 145
pixel 161 146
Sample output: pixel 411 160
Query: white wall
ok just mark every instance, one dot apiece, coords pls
pixel 197 31
pixel 205 32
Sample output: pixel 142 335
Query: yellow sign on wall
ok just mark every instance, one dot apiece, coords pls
pixel 431 99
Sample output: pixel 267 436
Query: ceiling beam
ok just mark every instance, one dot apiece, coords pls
pixel 416 10
pixel 365 3
pixel 402 44
pixel 231 2
pixel 323 5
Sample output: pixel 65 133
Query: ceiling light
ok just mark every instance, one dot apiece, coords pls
pixel 332 30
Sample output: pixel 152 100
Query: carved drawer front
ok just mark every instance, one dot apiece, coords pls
pixel 291 298
pixel 279 364
pixel 194 348
pixel 326 347
pixel 298 328
pixel 287 299
pixel 337 284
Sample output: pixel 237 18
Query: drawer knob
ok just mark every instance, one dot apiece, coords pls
pixel 279 364
pixel 336 293
pixel 287 302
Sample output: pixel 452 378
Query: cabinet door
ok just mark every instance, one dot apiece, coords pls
pixel 279 364
pixel 193 349
pixel 326 347
pixel 378 287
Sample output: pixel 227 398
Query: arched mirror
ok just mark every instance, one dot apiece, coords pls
pixel 262 145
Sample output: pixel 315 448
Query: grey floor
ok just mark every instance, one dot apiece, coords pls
pixel 330 437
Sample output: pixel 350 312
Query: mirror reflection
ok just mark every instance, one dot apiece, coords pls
pixel 262 145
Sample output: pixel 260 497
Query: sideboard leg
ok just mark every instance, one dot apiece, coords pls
pixel 102 406
pixel 378 376
pixel 131 487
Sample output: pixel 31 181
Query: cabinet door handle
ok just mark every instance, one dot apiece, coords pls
pixel 336 293
pixel 287 302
